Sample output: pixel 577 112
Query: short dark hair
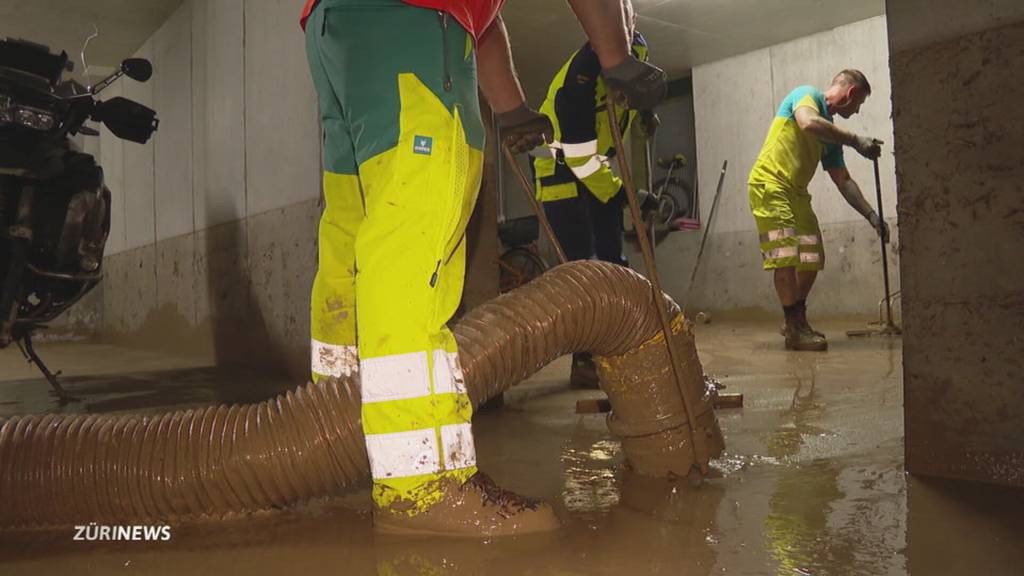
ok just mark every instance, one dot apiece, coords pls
pixel 854 77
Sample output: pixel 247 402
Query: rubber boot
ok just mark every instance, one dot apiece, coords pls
pixel 782 329
pixel 477 508
pixel 800 337
pixel 583 375
pixel 807 325
pixel 817 333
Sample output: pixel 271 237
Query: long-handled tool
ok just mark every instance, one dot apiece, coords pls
pixel 649 147
pixel 889 328
pixel 537 208
pixel 675 356
pixel 704 237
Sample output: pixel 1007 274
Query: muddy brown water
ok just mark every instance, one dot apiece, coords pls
pixel 812 482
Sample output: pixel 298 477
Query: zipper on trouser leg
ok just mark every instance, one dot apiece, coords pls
pixel 437 269
pixel 447 80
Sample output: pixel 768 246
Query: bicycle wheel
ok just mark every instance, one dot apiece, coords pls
pixel 519 265
pixel 668 208
pixel 680 192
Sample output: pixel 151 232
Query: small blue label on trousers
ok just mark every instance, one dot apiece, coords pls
pixel 422 145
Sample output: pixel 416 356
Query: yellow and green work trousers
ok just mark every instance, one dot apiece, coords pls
pixel 402 149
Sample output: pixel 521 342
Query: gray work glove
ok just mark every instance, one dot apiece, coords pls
pixel 648 122
pixel 523 129
pixel 870 148
pixel 643 86
pixel 880 226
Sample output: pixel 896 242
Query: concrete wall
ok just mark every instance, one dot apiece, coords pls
pixel 213 242
pixel 734 102
pixel 957 77
pixel 679 136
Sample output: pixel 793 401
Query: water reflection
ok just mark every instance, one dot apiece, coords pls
pixel 589 468
pixel 829 515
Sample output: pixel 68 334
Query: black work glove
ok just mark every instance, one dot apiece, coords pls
pixel 523 129
pixel 649 123
pixel 643 86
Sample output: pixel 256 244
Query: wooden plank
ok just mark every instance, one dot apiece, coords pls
pixel 603 405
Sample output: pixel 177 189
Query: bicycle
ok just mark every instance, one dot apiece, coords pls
pixel 672 193
pixel 672 196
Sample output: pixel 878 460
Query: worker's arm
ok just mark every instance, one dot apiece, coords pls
pixel 641 85
pixel 522 128
pixel 576 110
pixel 496 73
pixel 810 121
pixel 851 192
pixel 605 25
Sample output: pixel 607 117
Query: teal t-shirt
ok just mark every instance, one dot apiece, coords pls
pixel 789 155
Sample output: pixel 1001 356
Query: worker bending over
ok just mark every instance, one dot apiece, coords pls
pixel 802 135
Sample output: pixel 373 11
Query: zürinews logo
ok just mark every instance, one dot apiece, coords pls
pixel 422 145
pixel 93 533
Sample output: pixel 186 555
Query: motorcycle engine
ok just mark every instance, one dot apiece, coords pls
pixel 69 218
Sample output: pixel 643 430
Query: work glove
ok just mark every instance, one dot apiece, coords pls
pixel 648 122
pixel 646 200
pixel 523 129
pixel 880 226
pixel 643 86
pixel 870 148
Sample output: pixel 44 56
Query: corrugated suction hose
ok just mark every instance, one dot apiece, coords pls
pixel 218 461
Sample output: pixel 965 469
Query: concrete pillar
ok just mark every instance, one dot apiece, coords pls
pixel 957 79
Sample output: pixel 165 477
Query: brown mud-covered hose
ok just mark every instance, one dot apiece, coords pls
pixel 218 461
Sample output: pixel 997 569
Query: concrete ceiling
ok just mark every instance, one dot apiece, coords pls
pixel 65 24
pixel 681 33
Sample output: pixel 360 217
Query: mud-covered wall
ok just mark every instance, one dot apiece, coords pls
pixel 958 79
pixel 213 242
pixel 213 234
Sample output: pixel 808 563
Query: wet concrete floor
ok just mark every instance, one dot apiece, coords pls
pixel 812 481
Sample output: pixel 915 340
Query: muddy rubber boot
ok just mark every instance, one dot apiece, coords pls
pixel 807 325
pixel 782 330
pixel 479 508
pixel 583 375
pixel 802 338
pixel 817 333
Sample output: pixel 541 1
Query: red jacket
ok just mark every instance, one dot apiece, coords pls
pixel 474 15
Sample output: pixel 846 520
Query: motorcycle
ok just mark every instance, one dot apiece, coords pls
pixel 54 205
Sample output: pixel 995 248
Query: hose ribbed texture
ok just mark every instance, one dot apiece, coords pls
pixel 587 306
pixel 60 469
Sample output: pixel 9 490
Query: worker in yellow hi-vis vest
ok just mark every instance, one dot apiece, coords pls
pixel 583 199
